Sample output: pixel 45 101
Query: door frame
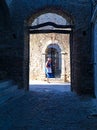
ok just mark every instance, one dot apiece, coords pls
pixel 62 29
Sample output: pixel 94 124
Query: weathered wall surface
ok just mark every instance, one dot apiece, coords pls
pixel 94 44
pixel 11 65
pixel 78 11
pixel 5 39
pixel 37 44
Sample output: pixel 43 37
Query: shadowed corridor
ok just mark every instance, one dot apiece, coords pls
pixel 49 107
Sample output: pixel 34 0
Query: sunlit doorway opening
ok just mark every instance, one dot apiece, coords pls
pixel 54 45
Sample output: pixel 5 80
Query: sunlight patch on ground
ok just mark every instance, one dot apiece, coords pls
pixel 42 86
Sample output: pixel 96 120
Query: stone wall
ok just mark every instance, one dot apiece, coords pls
pixel 94 46
pixel 4 38
pixel 39 43
pixel 77 12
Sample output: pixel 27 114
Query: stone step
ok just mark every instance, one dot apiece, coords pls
pixel 56 80
pixel 18 93
pixel 5 84
pixel 9 91
pixel 11 95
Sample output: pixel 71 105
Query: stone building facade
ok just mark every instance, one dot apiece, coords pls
pixel 56 46
pixel 38 55
pixel 14 43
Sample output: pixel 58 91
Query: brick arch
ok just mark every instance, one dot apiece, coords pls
pixel 61 64
pixel 78 42
pixel 57 10
pixel 29 20
pixel 55 60
pixel 55 44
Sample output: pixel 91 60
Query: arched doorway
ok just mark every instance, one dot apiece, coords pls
pixel 81 76
pixel 49 38
pixel 54 52
pixel 52 43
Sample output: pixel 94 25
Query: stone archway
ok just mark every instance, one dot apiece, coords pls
pixel 53 40
pixel 24 12
pixel 53 53
pixel 50 41
pixel 60 58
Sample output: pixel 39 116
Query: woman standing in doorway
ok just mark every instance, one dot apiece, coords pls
pixel 49 69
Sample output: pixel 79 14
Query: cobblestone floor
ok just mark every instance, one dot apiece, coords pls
pixel 49 109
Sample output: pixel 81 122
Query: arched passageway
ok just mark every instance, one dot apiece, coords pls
pixel 80 71
pixel 55 45
pixel 23 14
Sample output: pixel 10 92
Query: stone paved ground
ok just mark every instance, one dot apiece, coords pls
pixel 49 109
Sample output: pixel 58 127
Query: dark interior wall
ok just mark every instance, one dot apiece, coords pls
pixel 10 60
pixel 76 10
pixel 82 54
pixel 4 36
pixel 82 67
pixel 82 64
pixel 4 15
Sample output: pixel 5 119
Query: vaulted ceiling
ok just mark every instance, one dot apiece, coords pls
pixel 4 15
pixel 10 1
